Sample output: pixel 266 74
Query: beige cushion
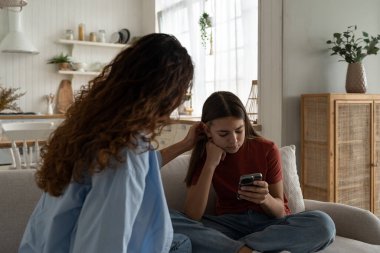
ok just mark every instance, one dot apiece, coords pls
pixel 292 186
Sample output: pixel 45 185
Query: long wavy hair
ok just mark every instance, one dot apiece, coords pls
pixel 131 99
pixel 218 105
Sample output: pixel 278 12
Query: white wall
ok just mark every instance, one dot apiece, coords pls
pixel 307 64
pixel 44 22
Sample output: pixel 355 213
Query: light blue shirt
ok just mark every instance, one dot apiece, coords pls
pixel 115 211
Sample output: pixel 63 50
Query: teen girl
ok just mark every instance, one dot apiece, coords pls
pixel 260 219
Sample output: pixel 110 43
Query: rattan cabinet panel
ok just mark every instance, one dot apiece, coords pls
pixel 340 144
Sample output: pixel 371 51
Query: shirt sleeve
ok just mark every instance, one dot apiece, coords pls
pixel 159 158
pixel 273 157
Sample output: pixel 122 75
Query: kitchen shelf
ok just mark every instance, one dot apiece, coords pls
pixel 83 73
pixel 90 43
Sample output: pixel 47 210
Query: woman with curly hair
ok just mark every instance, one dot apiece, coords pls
pixel 100 173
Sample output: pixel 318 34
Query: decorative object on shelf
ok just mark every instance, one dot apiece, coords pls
pixel 205 21
pixel 50 103
pixel 102 36
pixel 353 49
pixel 92 37
pixel 69 34
pixel 65 96
pixel 8 97
pixel 81 32
pixel 62 60
pixel 252 105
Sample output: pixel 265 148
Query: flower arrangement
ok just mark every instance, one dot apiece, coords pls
pixel 8 97
pixel 353 48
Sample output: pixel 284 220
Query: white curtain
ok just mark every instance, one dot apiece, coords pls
pixel 232 65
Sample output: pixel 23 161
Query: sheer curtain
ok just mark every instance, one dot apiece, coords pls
pixel 232 64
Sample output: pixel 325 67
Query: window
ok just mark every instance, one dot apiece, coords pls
pixel 229 62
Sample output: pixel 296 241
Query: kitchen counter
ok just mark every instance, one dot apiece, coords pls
pixel 30 116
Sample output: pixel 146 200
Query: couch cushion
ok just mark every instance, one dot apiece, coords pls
pixel 346 245
pixel 19 195
pixel 291 181
pixel 173 175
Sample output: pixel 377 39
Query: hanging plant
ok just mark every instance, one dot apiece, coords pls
pixel 204 23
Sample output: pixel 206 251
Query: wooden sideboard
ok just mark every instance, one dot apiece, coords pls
pixel 340 149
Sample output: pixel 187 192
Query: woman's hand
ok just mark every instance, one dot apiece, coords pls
pixel 194 134
pixel 257 193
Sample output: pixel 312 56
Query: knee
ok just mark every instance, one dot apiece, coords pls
pixel 324 225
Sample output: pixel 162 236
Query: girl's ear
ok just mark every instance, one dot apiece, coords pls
pixel 207 131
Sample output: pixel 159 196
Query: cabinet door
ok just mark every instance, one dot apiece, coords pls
pixel 376 163
pixel 353 153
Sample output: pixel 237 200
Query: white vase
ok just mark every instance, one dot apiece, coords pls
pixel 50 109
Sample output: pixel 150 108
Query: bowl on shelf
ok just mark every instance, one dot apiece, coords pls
pixel 79 66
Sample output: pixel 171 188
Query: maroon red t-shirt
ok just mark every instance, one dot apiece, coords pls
pixel 256 155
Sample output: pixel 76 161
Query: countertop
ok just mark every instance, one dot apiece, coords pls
pixel 29 116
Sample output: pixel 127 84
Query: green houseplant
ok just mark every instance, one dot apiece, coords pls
pixel 204 23
pixel 62 60
pixel 353 49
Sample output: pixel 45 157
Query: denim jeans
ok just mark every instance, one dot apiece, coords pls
pixel 298 233
pixel 181 244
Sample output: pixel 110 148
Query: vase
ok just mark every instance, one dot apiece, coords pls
pixel 356 81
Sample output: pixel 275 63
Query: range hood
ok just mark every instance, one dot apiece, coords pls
pixel 16 41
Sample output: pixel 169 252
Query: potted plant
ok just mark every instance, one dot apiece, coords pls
pixel 62 60
pixel 353 49
pixel 8 97
pixel 204 23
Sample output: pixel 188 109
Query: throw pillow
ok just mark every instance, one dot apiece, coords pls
pixel 292 186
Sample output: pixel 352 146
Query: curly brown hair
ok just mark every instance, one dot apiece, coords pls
pixel 134 94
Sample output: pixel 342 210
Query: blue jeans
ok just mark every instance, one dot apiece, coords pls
pixel 181 244
pixel 298 233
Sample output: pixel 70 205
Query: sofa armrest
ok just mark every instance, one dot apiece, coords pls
pixel 351 222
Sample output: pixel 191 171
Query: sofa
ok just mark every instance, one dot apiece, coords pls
pixel 357 230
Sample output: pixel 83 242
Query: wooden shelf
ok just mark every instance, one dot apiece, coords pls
pixel 83 73
pixel 90 43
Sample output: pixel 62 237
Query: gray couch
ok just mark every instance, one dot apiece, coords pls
pixel 358 230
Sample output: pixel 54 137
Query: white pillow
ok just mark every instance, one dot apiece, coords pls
pixel 292 186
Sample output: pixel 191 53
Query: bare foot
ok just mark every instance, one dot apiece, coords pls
pixel 245 249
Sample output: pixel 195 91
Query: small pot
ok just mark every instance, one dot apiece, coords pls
pixel 64 66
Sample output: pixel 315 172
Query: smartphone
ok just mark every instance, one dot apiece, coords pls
pixel 248 179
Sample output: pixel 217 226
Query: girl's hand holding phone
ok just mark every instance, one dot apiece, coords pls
pixel 256 193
